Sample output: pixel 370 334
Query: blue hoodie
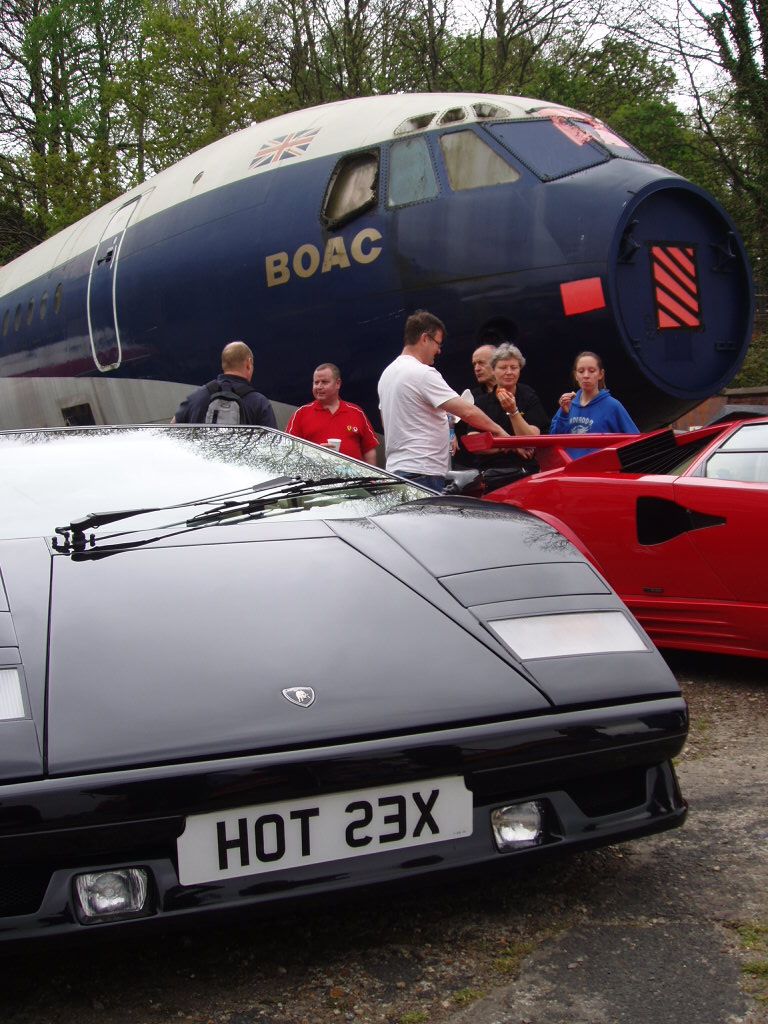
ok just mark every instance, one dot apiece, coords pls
pixel 603 415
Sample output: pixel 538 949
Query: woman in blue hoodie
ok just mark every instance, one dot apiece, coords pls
pixel 592 409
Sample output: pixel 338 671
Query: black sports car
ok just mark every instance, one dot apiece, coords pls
pixel 238 668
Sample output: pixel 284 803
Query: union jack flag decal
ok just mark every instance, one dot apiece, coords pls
pixel 675 287
pixel 284 147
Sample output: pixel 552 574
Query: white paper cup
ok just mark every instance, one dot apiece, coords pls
pixel 334 442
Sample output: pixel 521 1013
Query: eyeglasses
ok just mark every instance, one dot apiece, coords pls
pixel 434 339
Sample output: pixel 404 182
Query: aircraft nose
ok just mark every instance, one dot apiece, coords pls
pixel 680 284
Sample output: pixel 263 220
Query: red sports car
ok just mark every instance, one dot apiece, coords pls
pixel 676 523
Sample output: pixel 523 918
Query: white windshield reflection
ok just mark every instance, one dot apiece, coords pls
pixel 53 477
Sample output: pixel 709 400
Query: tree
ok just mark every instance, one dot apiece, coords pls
pixel 720 52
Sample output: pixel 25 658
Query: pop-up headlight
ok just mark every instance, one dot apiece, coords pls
pixel 568 633
pixel 11 700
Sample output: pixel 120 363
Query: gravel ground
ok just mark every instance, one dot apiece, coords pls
pixel 588 938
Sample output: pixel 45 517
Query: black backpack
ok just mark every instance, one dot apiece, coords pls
pixel 226 406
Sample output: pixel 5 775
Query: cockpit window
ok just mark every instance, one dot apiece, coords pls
pixel 547 149
pixel 614 143
pixel 411 174
pixel 415 124
pixel 353 188
pixel 471 163
pixel 454 115
pixel 557 146
pixel 489 110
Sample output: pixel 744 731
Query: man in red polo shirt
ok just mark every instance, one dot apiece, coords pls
pixel 329 416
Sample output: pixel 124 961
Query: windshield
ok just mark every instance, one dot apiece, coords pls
pixel 558 146
pixel 51 477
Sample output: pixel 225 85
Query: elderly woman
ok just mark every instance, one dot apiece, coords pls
pixel 515 407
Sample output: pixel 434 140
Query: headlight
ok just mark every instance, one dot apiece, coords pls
pixel 11 700
pixel 518 825
pixel 105 895
pixel 569 633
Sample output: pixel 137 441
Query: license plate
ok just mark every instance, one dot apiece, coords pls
pixel 315 830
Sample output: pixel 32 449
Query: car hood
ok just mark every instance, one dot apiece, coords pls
pixel 181 650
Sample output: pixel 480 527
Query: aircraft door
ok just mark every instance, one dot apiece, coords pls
pixel 103 324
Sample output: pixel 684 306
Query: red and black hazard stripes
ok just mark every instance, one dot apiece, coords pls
pixel 675 286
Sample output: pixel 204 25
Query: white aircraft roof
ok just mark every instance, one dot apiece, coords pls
pixel 340 127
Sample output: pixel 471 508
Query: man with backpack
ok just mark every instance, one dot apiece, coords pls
pixel 230 399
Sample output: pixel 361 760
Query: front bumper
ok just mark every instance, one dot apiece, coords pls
pixel 602 775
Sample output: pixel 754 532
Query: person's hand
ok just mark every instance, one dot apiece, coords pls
pixel 565 401
pixel 507 400
pixel 526 453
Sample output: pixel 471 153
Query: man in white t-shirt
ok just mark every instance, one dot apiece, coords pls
pixel 415 401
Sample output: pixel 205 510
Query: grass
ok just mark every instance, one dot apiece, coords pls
pixel 414 1017
pixel 512 956
pixel 753 938
pixel 467 995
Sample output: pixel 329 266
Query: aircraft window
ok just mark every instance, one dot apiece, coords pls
pixel 352 188
pixel 17 318
pixel 6 321
pixel 414 124
pixel 453 115
pixel 30 311
pixel 551 148
pixel 43 305
pixel 489 110
pixel 471 163
pixel 57 299
pixel 411 174
pixel 614 143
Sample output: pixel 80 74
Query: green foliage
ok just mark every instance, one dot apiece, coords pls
pixel 753 937
pixel 414 1017
pixel 512 956
pixel 603 79
pixel 200 63
pixel 465 996
pixel 754 372
pixel 19 230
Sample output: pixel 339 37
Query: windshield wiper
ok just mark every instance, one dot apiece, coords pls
pixel 74 533
pixel 298 489
pixel 232 505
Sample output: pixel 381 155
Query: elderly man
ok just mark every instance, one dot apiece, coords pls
pixel 482 359
pixel 247 404
pixel 415 402
pixel 329 417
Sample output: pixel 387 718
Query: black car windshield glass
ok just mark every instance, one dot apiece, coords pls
pixel 54 477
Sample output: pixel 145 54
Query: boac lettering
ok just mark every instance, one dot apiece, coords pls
pixel 306 259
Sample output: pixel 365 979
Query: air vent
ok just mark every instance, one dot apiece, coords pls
pixel 659 520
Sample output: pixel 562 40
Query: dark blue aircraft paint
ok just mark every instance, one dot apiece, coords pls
pixel 569 256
